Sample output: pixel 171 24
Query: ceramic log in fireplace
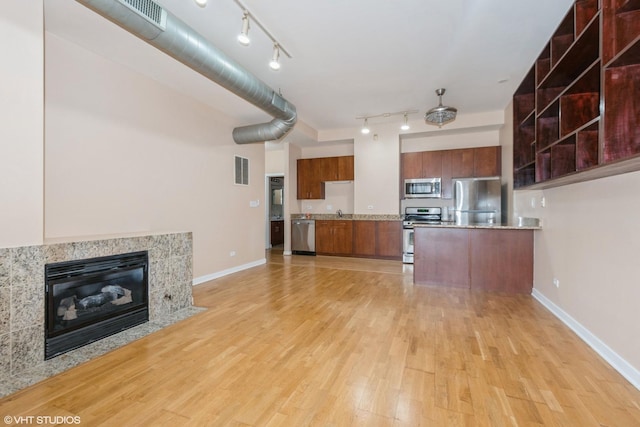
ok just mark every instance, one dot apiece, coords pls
pixel 90 299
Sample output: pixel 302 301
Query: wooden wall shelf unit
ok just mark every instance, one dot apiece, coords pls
pixel 576 113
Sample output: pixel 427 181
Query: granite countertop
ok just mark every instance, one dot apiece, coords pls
pixel 351 217
pixel 483 226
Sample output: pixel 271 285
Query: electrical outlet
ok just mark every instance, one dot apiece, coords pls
pixel 232 253
pixel 533 202
pixel 329 207
pixel 556 282
pixel 370 207
pixel 543 202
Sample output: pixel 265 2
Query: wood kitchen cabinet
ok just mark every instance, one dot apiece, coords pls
pixel 389 239
pixel 310 185
pixel 421 164
pixel 462 161
pixel 411 165
pixel 377 239
pixel 487 161
pixel 334 237
pixel 313 173
pixel 277 233
pixel 364 238
pixel 449 164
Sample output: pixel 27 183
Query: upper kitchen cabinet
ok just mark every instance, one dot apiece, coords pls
pixel 345 168
pixel 487 161
pixel 421 164
pixel 313 173
pixel 310 186
pixel 449 164
pixel 576 115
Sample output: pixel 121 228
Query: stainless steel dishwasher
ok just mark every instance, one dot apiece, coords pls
pixel 303 236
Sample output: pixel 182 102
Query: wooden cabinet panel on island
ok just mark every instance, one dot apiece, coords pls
pixel 441 256
pixel 491 259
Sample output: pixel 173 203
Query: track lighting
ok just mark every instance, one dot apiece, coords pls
pixel 365 127
pixel 405 125
pixel 274 64
pixel 201 3
pixel 243 37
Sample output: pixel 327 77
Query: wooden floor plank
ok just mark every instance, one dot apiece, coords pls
pixel 327 341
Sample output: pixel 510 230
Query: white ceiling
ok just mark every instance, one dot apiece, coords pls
pixel 349 58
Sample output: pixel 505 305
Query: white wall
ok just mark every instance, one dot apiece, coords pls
pixel 377 171
pixel 337 196
pixel 21 134
pixel 590 242
pixel 126 154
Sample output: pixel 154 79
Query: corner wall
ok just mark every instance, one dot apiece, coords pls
pixel 125 154
pixel 21 109
pixel 590 242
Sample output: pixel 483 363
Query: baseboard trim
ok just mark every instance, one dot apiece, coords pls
pixel 217 275
pixel 618 363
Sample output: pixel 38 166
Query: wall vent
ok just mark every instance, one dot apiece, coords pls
pixel 149 10
pixel 241 170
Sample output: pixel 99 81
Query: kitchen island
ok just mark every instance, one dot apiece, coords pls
pixel 480 257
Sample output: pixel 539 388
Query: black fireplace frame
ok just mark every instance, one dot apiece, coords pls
pixel 82 333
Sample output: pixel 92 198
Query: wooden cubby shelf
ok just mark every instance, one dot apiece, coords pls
pixel 576 114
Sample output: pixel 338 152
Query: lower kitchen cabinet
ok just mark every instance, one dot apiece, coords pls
pixel 334 237
pixel 377 239
pixel 491 259
pixel 360 238
pixel 364 238
pixel 277 233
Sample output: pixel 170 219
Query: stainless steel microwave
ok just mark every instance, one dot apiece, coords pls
pixel 422 188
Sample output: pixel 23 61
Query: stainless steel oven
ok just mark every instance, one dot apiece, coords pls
pixel 413 215
pixel 407 245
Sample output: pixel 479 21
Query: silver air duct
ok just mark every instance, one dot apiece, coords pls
pixel 158 27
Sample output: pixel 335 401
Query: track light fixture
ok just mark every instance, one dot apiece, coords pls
pixel 405 125
pixel 243 37
pixel 274 63
pixel 365 127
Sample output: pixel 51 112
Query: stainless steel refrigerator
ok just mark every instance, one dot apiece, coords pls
pixel 477 200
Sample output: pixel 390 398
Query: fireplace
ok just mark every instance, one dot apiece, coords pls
pixel 90 299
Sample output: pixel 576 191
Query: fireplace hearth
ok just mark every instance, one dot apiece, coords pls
pixel 90 299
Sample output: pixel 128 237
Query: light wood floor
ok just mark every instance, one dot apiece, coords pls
pixel 337 342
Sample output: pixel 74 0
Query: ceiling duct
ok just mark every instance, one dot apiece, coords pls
pixel 158 27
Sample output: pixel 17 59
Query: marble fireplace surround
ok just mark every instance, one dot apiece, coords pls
pixel 22 299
